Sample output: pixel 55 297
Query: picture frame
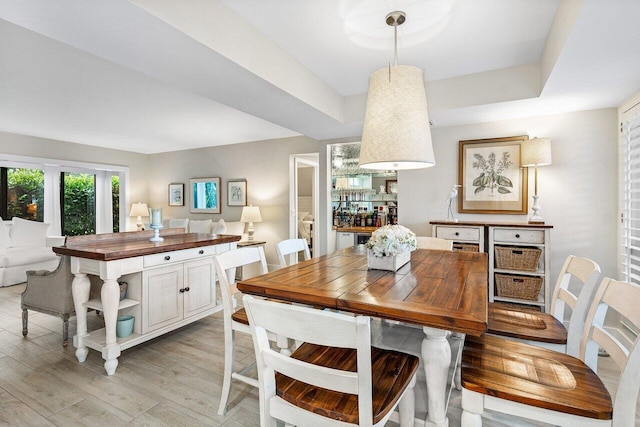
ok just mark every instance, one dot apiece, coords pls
pixel 237 192
pixel 176 194
pixel 204 195
pixel 491 177
pixel 391 186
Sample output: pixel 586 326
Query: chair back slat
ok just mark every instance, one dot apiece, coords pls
pixel 437 243
pixel 622 298
pixel 586 272
pixel 331 379
pixel 289 247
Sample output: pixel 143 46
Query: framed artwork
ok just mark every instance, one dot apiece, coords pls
pixel 492 180
pixel 237 192
pixel 176 194
pixel 391 186
pixel 204 195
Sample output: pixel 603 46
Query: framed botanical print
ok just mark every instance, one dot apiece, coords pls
pixel 204 195
pixel 237 192
pixel 492 179
pixel 176 194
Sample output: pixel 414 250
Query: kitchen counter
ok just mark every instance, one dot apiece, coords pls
pixel 354 229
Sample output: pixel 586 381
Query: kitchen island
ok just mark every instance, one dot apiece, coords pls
pixel 169 285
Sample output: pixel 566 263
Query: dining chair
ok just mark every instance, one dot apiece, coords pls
pixel 540 384
pixel 547 329
pixel 424 242
pixel 288 247
pixel 235 320
pixel 335 378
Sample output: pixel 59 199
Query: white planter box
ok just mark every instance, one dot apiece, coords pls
pixel 389 263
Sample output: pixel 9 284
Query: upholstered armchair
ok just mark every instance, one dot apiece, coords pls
pixel 50 292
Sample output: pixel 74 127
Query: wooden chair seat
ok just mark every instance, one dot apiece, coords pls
pixel 525 325
pixel 391 373
pixel 240 316
pixel 533 376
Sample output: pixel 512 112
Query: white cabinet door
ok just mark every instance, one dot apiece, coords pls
pixel 162 297
pixel 199 285
pixel 344 240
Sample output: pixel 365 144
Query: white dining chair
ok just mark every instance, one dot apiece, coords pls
pixel 235 320
pixel 437 243
pixel 335 378
pixel 543 385
pixel 574 290
pixel 289 247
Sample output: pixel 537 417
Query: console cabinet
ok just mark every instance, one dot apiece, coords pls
pixel 511 247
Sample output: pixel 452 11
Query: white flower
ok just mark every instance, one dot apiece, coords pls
pixel 391 240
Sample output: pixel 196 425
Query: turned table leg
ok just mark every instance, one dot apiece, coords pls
pixel 80 288
pixel 436 356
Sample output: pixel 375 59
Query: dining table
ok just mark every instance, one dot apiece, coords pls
pixel 442 292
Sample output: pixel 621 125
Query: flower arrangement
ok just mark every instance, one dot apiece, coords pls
pixel 391 240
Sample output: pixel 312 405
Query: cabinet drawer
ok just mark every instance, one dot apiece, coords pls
pixel 513 235
pixel 177 256
pixel 458 233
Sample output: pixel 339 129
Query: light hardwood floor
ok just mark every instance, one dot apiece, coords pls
pixel 174 380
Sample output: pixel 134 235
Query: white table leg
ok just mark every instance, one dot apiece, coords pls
pixel 110 296
pixel 80 288
pixel 436 356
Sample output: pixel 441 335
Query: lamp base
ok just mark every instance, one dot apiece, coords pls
pixel 535 218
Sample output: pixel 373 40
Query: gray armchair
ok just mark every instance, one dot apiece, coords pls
pixel 50 292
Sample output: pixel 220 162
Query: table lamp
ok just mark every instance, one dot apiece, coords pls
pixel 139 210
pixel 535 152
pixel 250 214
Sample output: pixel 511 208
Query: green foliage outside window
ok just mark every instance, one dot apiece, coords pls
pixel 79 204
pixel 25 194
pixel 115 200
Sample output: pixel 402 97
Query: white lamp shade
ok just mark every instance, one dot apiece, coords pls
pixel 535 152
pixel 396 132
pixel 250 214
pixel 139 209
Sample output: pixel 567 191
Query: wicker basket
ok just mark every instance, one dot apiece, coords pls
pixel 522 287
pixel 517 258
pixel 466 247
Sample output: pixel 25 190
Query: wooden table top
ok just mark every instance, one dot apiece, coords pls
pixel 114 246
pixel 439 289
pixel 491 223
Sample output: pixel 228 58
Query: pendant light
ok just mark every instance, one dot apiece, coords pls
pixel 396 132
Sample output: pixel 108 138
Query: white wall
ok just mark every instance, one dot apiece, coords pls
pixel 578 192
pixel 265 166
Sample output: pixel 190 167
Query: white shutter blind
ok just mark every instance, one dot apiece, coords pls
pixel 629 259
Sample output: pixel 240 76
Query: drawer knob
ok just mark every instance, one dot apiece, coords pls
pixel 182 291
pixel 457 233
pixel 186 289
pixel 167 258
pixel 517 236
pixel 201 251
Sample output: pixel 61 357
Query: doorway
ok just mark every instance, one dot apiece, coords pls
pixel 304 178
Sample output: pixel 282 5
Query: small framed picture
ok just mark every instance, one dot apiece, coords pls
pixel 391 186
pixel 204 195
pixel 237 192
pixel 176 194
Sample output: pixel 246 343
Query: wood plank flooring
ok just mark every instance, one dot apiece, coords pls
pixel 173 380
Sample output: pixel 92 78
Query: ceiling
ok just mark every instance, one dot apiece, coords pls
pixel 154 76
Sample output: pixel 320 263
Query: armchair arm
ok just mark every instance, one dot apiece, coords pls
pixel 55 241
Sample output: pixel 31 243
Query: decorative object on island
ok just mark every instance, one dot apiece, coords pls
pixel 396 133
pixel 452 195
pixel 204 195
pixel 156 224
pixel 139 210
pixel 237 192
pixel 250 214
pixel 176 194
pixel 389 247
pixel 536 152
pixel 492 178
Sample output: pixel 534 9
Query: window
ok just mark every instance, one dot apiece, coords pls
pixel 22 193
pixel 78 198
pixel 629 258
